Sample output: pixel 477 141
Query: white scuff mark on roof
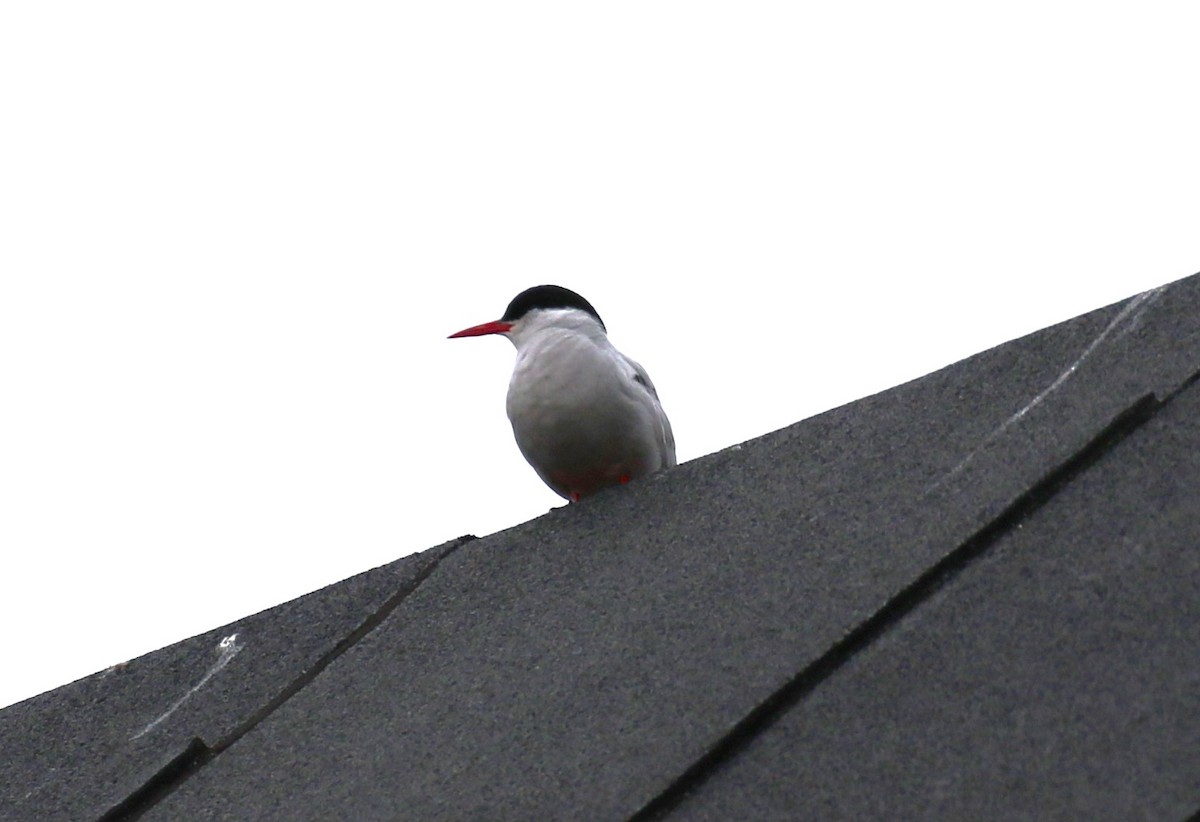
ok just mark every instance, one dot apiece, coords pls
pixel 1132 312
pixel 1144 301
pixel 227 649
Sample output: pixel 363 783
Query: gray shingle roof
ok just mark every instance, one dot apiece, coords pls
pixel 974 595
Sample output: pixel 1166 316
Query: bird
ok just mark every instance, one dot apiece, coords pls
pixel 584 415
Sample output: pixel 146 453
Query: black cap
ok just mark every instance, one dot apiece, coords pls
pixel 547 296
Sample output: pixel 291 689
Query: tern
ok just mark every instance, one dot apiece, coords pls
pixel 584 415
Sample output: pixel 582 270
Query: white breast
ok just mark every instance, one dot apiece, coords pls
pixel 584 415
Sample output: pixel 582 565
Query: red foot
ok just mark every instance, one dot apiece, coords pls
pixel 624 478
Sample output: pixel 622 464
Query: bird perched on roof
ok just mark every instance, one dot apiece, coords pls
pixel 584 415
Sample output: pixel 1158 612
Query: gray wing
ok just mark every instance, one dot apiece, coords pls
pixel 666 437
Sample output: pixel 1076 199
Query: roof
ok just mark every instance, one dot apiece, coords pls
pixel 975 595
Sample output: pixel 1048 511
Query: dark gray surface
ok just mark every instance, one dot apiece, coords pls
pixel 575 666
pixel 80 750
pixel 581 665
pixel 1057 677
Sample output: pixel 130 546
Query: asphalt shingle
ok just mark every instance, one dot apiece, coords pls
pixel 577 666
pixel 87 748
pixel 658 649
pixel 1054 678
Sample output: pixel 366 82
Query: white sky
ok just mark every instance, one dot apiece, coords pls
pixel 233 237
